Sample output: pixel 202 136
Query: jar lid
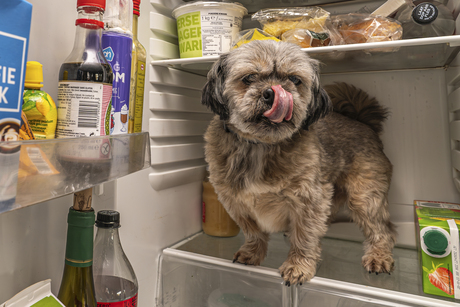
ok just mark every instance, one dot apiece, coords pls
pixel 435 241
pixel 108 219
pixel 425 13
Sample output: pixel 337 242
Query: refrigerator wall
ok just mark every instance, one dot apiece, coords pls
pixel 162 205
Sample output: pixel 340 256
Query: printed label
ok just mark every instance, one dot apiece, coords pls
pixel 131 302
pixel 82 108
pixel 139 105
pixel 189 31
pixel 455 256
pixel 207 33
pixel 118 52
pixel 13 55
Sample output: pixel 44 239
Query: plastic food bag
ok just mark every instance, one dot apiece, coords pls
pixel 306 38
pixel 277 21
pixel 247 36
pixel 363 28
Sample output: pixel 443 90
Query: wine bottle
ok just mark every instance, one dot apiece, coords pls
pixel 114 277
pixel 77 285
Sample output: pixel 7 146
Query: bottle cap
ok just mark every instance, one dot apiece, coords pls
pixel 136 9
pixel 34 75
pixel 435 241
pixel 96 3
pixel 108 219
pixel 425 13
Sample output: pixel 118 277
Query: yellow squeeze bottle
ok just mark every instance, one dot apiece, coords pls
pixel 38 106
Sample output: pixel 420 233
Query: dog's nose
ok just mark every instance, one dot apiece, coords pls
pixel 268 96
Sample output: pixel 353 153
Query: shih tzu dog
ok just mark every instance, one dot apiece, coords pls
pixel 285 155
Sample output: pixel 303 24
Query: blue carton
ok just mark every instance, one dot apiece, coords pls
pixel 15 17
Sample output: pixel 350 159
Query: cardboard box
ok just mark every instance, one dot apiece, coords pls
pixel 37 295
pixel 15 18
pixel 439 247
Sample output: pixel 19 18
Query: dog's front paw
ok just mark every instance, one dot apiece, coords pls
pixel 297 271
pixel 247 255
pixel 378 262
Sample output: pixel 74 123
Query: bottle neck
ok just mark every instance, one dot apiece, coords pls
pixel 88 45
pixel 110 238
pixel 135 25
pixel 80 233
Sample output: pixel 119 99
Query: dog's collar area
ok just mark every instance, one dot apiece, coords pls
pixel 227 129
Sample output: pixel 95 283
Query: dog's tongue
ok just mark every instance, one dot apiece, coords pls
pixel 282 105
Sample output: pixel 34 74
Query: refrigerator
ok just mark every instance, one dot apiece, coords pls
pixel 160 205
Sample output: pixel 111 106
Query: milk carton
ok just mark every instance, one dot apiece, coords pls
pixel 15 17
pixel 439 246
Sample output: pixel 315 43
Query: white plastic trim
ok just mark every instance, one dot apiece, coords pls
pixel 162 24
pixel 175 103
pixel 176 153
pixel 165 180
pixel 160 128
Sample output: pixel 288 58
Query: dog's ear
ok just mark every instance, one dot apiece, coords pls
pixel 321 103
pixel 212 94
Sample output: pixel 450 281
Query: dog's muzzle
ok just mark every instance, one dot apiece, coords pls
pixel 282 104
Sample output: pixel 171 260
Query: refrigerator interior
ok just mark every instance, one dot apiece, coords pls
pixel 161 205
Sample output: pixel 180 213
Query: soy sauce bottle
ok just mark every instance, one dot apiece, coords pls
pixel 85 78
pixel 84 100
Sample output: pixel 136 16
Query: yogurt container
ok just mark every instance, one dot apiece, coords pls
pixel 207 28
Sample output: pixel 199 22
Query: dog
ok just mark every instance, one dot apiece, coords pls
pixel 285 154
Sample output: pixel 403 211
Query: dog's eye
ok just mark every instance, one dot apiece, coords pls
pixel 248 79
pixel 295 80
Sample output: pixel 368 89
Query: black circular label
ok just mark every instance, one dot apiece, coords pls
pixel 425 13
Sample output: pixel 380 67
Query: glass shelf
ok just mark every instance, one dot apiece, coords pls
pixel 41 170
pixel 419 53
pixel 340 275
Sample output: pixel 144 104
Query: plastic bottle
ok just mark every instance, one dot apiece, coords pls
pixel 117 45
pixel 85 78
pixel 38 106
pixel 77 285
pixel 115 280
pixel 426 19
pixel 216 221
pixel 136 98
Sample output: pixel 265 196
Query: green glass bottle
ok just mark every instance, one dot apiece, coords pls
pixel 77 286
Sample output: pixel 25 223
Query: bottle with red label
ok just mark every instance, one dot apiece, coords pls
pixel 114 278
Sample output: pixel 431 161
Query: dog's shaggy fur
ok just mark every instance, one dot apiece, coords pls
pixel 295 174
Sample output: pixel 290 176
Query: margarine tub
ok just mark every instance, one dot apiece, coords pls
pixel 207 28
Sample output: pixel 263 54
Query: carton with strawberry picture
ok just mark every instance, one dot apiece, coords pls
pixel 438 241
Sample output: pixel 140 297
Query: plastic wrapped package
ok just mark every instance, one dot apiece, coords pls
pixel 306 38
pixel 277 21
pixel 250 35
pixel 364 28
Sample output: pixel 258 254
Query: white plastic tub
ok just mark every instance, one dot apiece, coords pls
pixel 207 28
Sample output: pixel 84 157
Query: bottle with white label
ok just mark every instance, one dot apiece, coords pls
pixel 85 78
pixel 84 99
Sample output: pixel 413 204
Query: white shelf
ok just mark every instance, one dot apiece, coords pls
pixel 47 169
pixel 402 54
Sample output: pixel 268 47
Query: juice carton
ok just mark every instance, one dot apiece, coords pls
pixel 15 17
pixel 439 246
